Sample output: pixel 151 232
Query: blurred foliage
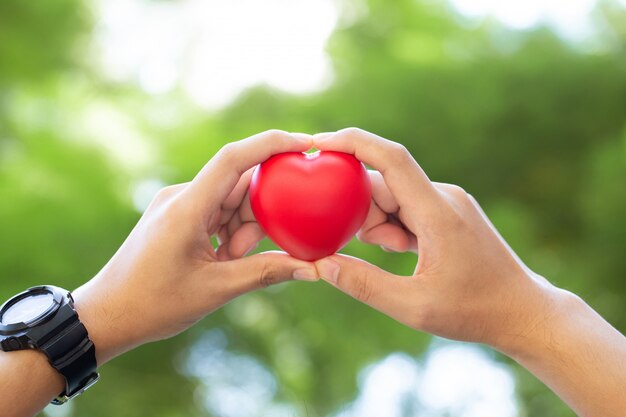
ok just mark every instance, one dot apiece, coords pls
pixel 533 126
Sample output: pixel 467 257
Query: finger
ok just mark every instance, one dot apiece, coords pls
pixel 245 210
pixel 406 180
pixel 381 194
pixel 381 227
pixel 222 252
pixel 378 230
pixel 262 270
pixel 382 290
pixel 222 241
pixel 231 205
pixel 245 239
pixel 234 224
pixel 226 215
pixel 220 175
pixel 375 217
pixel 389 236
pixel 236 196
pixel 222 234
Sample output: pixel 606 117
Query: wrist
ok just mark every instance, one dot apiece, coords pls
pixel 96 315
pixel 41 325
pixel 531 331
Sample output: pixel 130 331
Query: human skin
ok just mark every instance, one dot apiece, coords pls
pixel 469 284
pixel 166 276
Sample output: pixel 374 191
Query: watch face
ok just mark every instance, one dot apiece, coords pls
pixel 28 309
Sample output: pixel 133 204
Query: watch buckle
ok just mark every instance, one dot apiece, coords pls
pixel 63 398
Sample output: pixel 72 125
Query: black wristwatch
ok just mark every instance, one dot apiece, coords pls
pixel 44 318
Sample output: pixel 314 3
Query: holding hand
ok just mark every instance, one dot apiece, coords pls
pixel 167 275
pixel 469 285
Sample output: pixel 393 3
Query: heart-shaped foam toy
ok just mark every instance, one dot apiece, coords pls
pixel 310 205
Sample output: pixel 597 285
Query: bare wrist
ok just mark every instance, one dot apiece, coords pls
pixel 535 327
pixel 95 313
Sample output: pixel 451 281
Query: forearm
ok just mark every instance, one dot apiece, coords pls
pixel 27 383
pixel 574 351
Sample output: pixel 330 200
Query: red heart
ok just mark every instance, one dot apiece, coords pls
pixel 310 205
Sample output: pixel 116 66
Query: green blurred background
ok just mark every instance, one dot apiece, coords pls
pixel 521 103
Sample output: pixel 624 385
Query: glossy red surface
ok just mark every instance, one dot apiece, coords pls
pixel 310 205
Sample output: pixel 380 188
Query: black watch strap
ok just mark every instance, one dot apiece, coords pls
pixel 76 363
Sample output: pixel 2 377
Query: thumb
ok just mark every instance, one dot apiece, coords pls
pixel 265 269
pixel 365 282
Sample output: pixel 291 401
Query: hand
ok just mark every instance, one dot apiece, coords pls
pixel 167 275
pixel 468 284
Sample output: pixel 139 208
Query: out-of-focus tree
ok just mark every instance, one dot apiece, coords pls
pixel 532 125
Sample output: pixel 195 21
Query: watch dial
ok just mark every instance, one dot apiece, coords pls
pixel 27 309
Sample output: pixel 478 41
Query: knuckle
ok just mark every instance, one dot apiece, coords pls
pixel 269 275
pixel 174 211
pixel 164 194
pixel 459 195
pixel 399 151
pixel 276 135
pixel 363 290
pixel 458 191
pixel 276 139
pixel 174 203
pixel 472 200
pixel 351 131
pixel 161 195
pixel 396 153
pixel 228 152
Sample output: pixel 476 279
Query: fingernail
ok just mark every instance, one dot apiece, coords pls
pixel 329 270
pixel 305 274
pixel 251 248
pixel 389 249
